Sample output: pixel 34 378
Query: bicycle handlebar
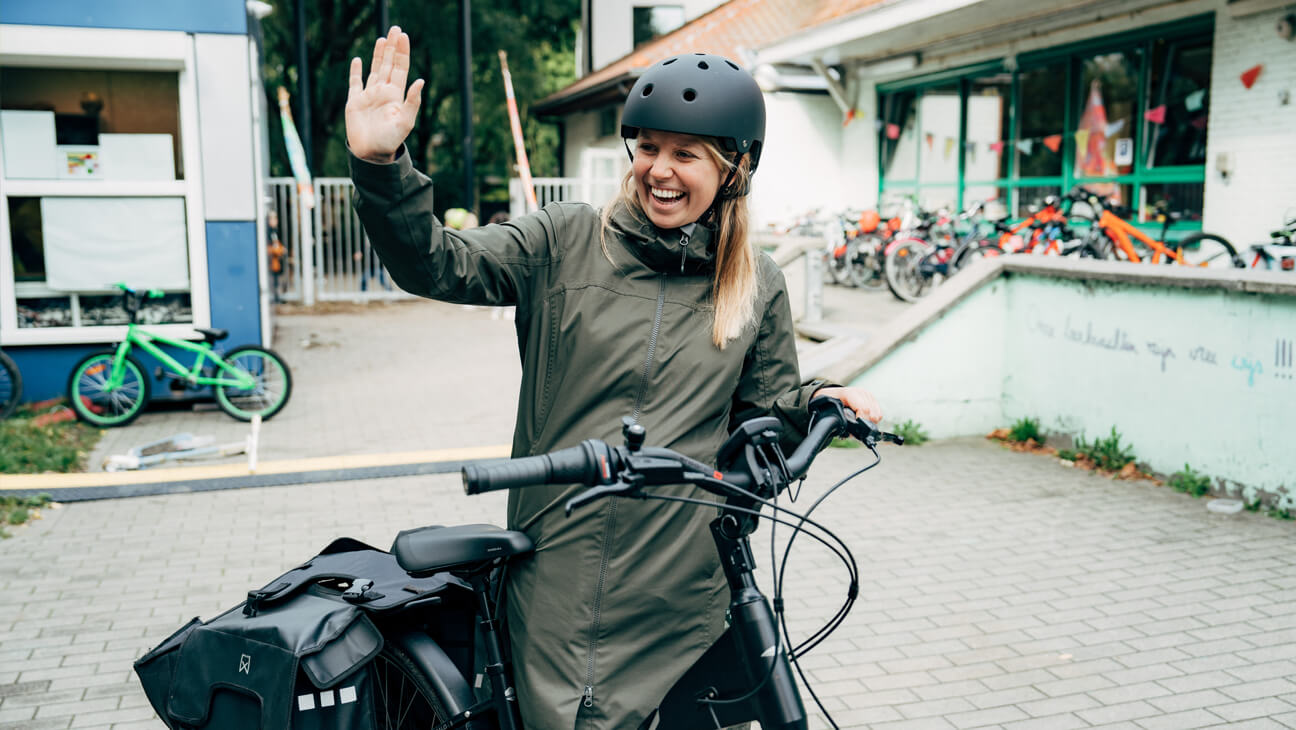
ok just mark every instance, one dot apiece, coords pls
pixel 624 470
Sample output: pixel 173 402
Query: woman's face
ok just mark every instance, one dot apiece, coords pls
pixel 675 177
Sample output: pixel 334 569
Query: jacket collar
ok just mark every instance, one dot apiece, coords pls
pixel 659 248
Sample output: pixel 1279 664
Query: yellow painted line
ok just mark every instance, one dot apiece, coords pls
pixel 220 471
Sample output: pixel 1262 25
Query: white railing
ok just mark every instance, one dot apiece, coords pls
pixel 596 192
pixel 342 266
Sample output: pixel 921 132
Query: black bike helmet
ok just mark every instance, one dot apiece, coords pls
pixel 701 94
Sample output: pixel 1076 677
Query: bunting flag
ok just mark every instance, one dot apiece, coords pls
pixel 930 139
pixel 997 146
pixel 878 124
pixel 1111 129
pixel 850 117
pixel 1082 139
pixel 1250 75
pixel 949 146
pixel 1025 146
pixel 1053 142
pixel 1156 114
pixel 971 152
pixel 1199 122
pixel 1193 102
pixel 893 131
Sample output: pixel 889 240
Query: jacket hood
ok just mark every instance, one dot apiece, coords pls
pixel 659 248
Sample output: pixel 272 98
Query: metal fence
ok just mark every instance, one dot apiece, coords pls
pixel 596 192
pixel 341 265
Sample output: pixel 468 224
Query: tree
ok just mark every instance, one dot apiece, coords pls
pixel 538 36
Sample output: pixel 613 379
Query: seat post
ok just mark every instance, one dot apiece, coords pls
pixel 497 672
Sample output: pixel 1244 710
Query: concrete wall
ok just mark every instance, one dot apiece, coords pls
pixel 800 167
pixel 1254 130
pixel 1191 367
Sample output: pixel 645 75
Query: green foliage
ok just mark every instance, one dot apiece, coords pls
pixel 1024 429
pixel 539 37
pixel 845 443
pixel 17 510
pixel 1190 481
pixel 1106 453
pixel 1067 454
pixel 911 432
pixel 26 448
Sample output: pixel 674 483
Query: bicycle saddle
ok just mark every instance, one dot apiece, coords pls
pixel 431 549
pixel 212 335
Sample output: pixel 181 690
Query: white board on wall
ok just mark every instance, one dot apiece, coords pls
pixel 137 156
pixel 29 140
pixel 93 243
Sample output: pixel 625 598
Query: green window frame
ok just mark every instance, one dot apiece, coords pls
pixel 1138 178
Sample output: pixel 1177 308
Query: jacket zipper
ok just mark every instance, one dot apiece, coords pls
pixel 684 239
pixel 608 525
pixel 587 698
pixel 652 348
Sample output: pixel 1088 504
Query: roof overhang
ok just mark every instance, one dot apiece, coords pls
pixel 604 93
pixel 908 29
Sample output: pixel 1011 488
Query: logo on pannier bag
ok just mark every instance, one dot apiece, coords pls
pixel 345 696
pixel 245 664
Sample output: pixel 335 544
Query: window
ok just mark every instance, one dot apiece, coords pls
pixel 93 178
pixel 1124 115
pixel 656 20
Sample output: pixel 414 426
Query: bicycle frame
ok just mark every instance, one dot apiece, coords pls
pixel 136 336
pixel 1121 231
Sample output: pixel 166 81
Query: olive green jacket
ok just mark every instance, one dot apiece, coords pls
pixel 623 596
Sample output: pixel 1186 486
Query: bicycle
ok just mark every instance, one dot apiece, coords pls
pixel 110 388
pixel 916 265
pixel 10 385
pixel 1112 237
pixel 424 670
pixel 1279 253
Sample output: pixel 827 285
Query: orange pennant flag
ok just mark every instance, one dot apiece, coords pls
pixel 1053 142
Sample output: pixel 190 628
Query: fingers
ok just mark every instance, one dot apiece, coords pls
pixel 354 84
pixel 414 97
pixel 389 55
pixel 374 64
pixel 400 60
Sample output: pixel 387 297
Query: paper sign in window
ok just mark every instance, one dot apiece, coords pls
pixel 92 243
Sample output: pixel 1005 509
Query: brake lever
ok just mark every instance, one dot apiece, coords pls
pixel 618 489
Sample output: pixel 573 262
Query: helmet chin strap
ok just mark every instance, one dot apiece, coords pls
pixel 723 193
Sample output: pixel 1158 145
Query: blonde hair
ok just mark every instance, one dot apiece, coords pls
pixel 736 283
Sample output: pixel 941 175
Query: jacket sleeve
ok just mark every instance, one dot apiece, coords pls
pixel 491 265
pixel 770 384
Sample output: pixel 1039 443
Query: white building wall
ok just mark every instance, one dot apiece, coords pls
pixel 800 167
pixel 613 22
pixel 1252 132
pixel 225 106
pixel 859 150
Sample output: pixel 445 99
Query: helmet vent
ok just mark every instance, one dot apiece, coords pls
pixel 647 89
pixel 668 62
pixel 689 95
pixel 732 65
pixel 703 65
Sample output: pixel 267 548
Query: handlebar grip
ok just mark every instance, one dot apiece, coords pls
pixel 589 463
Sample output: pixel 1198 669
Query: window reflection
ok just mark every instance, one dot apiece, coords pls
pixel 1179 84
pixel 984 157
pixel 1104 136
pixel 939 114
pixel 899 136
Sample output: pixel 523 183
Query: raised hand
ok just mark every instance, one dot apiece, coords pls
pixel 380 111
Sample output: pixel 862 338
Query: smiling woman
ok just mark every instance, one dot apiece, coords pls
pixel 675 176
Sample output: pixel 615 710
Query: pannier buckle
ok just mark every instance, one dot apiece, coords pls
pixel 359 591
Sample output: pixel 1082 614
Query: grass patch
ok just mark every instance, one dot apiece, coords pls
pixel 1106 453
pixel 845 443
pixel 1025 429
pixel 912 433
pixel 1189 481
pixel 18 510
pixel 32 445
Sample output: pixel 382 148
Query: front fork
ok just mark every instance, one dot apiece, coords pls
pixel 118 373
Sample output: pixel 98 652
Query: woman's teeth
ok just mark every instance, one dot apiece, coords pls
pixel 667 195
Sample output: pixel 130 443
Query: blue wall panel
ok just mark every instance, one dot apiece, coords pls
pixel 232 275
pixel 192 16
pixel 45 370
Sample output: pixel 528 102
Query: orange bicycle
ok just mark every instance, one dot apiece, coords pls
pixel 1112 237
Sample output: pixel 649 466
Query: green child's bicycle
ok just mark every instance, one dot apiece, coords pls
pixel 110 388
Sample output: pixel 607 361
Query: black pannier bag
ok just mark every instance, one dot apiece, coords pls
pixel 296 654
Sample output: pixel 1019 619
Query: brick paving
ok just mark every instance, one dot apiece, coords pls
pixel 997 589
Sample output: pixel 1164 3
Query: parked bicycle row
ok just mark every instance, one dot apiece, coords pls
pixel 914 250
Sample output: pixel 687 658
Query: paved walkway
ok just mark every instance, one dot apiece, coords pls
pixel 998 590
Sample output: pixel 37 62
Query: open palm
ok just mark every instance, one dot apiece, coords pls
pixel 380 111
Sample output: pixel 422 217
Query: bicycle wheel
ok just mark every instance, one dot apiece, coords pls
pixel 1207 250
pixel 268 396
pixel 866 263
pixel 403 698
pixel 96 402
pixel 983 250
pixel 10 386
pixel 903 271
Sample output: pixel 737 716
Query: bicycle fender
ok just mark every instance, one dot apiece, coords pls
pixel 451 687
